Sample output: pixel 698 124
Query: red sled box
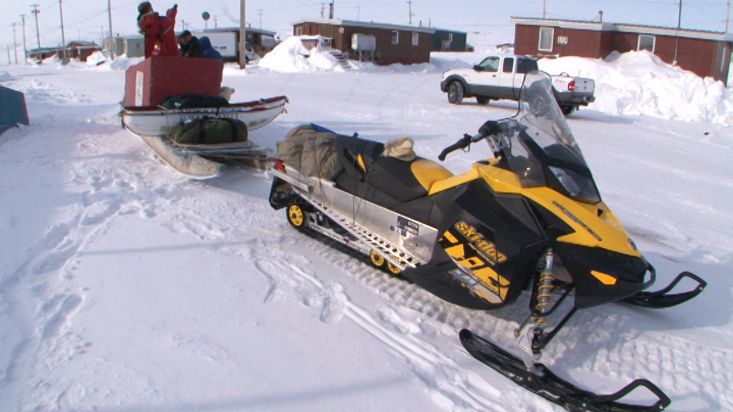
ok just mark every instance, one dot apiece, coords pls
pixel 149 83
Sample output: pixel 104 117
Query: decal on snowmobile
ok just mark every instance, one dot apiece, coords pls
pixel 405 226
pixel 475 256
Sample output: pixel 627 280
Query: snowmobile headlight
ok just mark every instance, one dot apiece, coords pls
pixel 576 186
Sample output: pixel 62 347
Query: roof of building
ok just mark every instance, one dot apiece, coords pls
pixel 624 28
pixel 236 29
pixel 366 24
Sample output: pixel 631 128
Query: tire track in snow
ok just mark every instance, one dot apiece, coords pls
pixel 448 382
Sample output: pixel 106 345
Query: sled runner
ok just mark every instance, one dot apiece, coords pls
pixel 528 219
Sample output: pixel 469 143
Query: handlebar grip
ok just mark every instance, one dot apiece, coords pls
pixel 463 142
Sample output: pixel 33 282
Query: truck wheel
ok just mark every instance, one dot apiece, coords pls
pixel 455 92
pixel 482 100
pixel 567 109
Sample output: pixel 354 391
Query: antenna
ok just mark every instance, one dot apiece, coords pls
pixel 409 11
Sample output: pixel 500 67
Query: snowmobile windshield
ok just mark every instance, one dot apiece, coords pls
pixel 540 148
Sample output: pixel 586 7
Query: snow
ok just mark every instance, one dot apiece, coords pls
pixel 639 83
pixel 290 56
pixel 125 286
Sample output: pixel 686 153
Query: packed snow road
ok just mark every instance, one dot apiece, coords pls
pixel 127 287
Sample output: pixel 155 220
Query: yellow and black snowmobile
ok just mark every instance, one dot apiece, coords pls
pixel 528 219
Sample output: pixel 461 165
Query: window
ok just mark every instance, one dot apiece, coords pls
pixel 415 39
pixel 547 34
pixel 646 42
pixel 299 30
pixel 526 66
pixel 490 64
pixel 508 65
pixel 395 37
pixel 724 53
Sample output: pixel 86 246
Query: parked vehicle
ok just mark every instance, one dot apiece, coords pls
pixel 501 76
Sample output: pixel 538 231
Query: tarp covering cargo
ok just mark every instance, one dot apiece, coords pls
pixel 12 109
pixel 312 151
pixel 210 130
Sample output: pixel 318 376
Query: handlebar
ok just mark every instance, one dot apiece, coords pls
pixel 462 143
pixel 487 129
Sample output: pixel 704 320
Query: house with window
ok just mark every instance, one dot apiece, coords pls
pixel 382 43
pixel 704 53
pixel 449 40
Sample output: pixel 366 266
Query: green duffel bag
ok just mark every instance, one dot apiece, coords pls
pixel 210 130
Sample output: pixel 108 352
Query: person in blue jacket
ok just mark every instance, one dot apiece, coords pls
pixel 208 51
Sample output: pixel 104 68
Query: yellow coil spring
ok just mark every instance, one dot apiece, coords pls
pixel 544 293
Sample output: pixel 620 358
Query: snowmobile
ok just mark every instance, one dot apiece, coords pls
pixel 529 220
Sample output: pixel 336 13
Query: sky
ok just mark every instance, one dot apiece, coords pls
pixel 88 19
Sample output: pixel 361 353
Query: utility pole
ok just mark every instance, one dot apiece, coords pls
pixel 242 34
pixel 15 43
pixel 111 46
pixel 35 12
pixel 544 9
pixel 358 12
pixel 259 15
pixel 25 49
pixel 727 15
pixel 409 11
pixel 331 11
pixel 9 62
pixel 677 42
pixel 323 9
pixel 63 37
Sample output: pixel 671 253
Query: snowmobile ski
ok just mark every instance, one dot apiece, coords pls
pixel 543 382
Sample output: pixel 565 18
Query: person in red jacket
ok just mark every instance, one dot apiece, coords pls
pixel 160 37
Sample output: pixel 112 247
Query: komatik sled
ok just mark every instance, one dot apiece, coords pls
pixel 528 219
pixel 162 94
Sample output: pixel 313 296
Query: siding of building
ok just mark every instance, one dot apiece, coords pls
pixel 455 40
pixel 704 57
pixel 403 52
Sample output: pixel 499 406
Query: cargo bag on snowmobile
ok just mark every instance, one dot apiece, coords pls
pixel 312 151
pixel 209 130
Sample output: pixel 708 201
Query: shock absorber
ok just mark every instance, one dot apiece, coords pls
pixel 545 286
pixel 530 333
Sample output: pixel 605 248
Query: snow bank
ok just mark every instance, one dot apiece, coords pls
pixel 5 76
pixel 639 83
pixel 291 57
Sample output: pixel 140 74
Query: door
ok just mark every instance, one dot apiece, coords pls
pixel 483 79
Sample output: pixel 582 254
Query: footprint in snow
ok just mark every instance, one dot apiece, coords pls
pixel 334 304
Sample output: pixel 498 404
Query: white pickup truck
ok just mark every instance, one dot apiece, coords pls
pixel 500 76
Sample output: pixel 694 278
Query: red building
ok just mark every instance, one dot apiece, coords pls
pixel 388 43
pixel 704 53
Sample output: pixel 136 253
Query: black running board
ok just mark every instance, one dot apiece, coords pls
pixel 553 388
pixel 662 298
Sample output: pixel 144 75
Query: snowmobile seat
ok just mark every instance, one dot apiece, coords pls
pixel 428 172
